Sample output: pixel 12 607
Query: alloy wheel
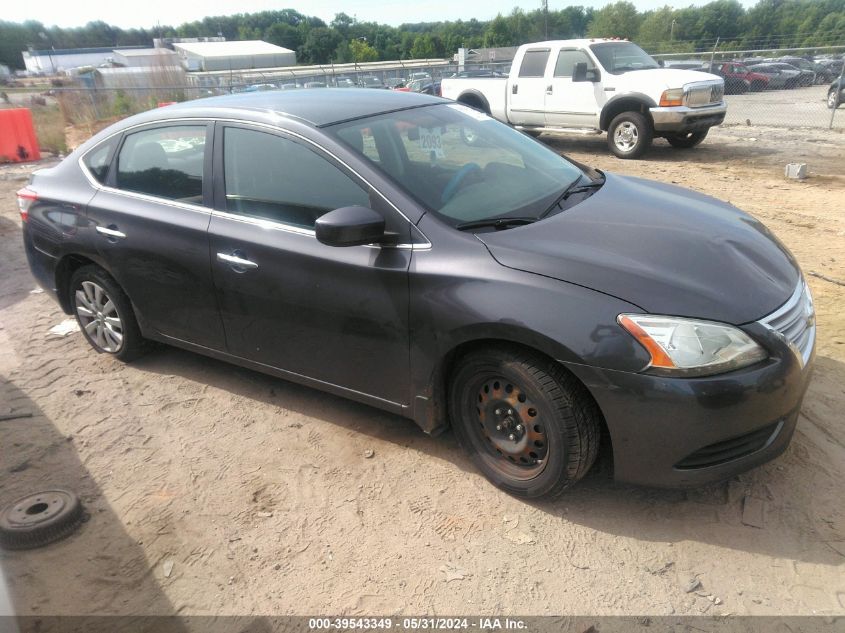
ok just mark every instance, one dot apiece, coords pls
pixel 625 136
pixel 99 317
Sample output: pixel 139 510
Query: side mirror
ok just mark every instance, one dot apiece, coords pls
pixel 350 226
pixel 580 73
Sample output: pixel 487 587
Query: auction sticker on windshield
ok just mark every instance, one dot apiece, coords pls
pixel 431 140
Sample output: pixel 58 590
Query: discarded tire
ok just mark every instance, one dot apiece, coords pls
pixel 39 519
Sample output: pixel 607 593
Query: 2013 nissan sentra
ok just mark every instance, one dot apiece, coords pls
pixel 416 255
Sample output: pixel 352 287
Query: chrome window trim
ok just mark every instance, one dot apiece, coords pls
pixel 212 212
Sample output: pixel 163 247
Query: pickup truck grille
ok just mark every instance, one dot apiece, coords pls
pixel 795 320
pixel 704 94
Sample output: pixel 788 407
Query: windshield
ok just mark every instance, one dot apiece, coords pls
pixel 461 164
pixel 620 57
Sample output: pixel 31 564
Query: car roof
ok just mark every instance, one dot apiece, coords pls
pixel 317 107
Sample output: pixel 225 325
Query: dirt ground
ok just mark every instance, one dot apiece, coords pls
pixel 216 490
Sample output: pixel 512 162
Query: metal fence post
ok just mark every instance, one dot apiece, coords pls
pixel 836 95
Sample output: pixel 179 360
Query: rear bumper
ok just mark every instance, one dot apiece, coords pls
pixel 41 264
pixel 686 119
pixel 679 433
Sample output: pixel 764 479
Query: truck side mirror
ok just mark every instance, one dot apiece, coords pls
pixel 580 73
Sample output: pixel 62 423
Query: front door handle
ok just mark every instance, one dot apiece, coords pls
pixel 549 89
pixel 237 261
pixel 111 232
pixel 515 88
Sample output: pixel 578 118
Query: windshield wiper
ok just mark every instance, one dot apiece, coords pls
pixel 496 223
pixel 572 189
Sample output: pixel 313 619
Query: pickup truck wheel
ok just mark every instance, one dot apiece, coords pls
pixel 528 425
pixel 685 140
pixel 629 135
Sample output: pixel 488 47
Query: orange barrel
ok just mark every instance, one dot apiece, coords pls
pixel 18 143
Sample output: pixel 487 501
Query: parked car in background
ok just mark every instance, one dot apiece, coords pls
pixel 431 88
pixel 738 70
pixel 836 93
pixel 419 75
pixel 416 255
pixel 734 85
pixel 820 72
pixel 345 82
pixel 314 84
pixel 395 82
pixel 805 77
pixel 288 86
pixel 602 85
pixel 371 82
pixel 777 78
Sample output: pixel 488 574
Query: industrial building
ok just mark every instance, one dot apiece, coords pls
pixel 245 55
pixel 145 57
pixel 51 61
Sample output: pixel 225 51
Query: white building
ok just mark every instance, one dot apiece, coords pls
pixel 145 57
pixel 249 54
pixel 50 61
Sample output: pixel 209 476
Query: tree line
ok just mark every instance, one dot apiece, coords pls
pixel 767 25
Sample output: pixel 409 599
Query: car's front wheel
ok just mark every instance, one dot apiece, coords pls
pixel 528 425
pixel 105 314
pixel 832 99
pixel 685 140
pixel 629 135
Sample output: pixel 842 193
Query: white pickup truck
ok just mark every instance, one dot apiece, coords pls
pixel 598 85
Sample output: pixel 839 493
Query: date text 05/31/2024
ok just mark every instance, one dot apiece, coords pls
pixel 415 624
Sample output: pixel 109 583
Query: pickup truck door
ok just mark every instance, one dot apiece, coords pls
pixel 572 104
pixel 527 87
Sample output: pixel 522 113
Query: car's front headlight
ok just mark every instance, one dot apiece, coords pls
pixel 689 347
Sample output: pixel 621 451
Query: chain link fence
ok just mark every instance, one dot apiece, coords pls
pixel 789 88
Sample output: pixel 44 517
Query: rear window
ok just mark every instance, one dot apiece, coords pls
pixel 534 63
pixel 98 160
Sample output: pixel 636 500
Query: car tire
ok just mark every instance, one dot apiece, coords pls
pixel 832 100
pixel 528 425
pixel 686 140
pixel 105 314
pixel 629 135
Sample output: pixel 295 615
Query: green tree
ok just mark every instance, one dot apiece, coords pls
pixel 619 19
pixel 362 52
pixel 423 47
pixel 498 33
pixel 319 45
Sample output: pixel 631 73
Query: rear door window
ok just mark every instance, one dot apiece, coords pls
pixel 164 162
pixel 534 63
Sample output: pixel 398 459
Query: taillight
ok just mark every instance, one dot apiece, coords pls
pixel 25 199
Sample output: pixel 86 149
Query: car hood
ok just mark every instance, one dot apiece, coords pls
pixel 664 78
pixel 665 249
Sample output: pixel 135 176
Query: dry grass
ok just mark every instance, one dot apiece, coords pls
pixel 49 128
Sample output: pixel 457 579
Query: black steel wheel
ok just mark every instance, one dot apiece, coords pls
pixel 39 519
pixel 105 314
pixel 528 424
pixel 686 140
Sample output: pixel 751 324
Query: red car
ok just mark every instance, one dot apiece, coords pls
pixel 736 70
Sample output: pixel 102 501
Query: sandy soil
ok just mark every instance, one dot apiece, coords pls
pixel 213 489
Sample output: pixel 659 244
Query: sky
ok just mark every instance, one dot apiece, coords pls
pixel 173 13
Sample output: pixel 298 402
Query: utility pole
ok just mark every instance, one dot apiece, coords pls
pixel 546 17
pixel 672 31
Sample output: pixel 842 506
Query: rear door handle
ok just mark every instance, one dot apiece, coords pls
pixel 111 232
pixel 237 261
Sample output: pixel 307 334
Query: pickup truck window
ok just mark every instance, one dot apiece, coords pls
pixel 622 57
pixel 534 63
pixel 566 61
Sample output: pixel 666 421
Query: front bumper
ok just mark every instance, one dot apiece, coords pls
pixel 686 119
pixel 679 433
